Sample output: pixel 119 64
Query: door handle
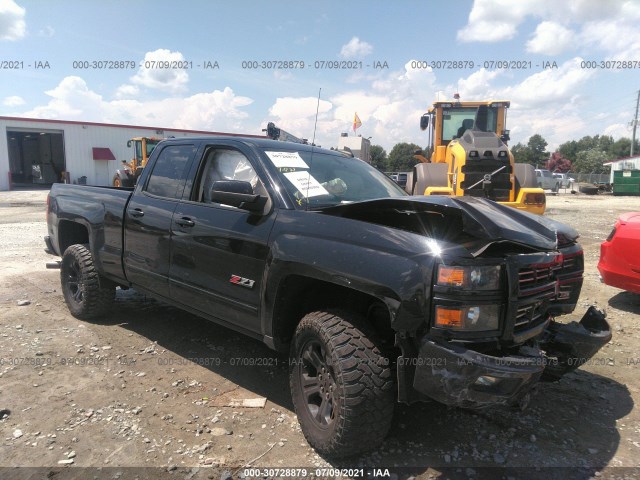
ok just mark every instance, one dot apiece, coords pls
pixel 185 222
pixel 136 212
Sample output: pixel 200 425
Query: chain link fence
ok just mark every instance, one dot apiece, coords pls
pixel 595 178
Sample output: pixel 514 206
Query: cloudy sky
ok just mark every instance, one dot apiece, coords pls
pixel 570 68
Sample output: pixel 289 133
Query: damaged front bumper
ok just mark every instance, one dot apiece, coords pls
pixel 454 375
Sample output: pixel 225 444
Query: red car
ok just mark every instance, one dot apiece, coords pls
pixel 619 263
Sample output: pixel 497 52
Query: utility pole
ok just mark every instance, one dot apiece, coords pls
pixel 635 125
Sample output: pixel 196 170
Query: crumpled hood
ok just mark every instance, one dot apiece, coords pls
pixel 482 219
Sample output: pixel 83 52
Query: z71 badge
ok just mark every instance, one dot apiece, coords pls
pixel 243 282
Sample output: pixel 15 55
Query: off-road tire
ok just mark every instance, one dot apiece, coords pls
pixel 87 294
pixel 356 385
pixel 430 175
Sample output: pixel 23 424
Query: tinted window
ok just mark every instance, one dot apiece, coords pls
pixel 170 171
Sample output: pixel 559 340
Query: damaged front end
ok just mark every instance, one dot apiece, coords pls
pixel 485 332
pixel 459 376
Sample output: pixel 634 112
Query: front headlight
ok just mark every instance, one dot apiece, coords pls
pixel 470 277
pixel 474 318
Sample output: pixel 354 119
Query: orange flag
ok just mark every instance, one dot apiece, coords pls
pixel 356 122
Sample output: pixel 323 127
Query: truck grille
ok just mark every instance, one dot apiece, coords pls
pixel 537 287
pixel 538 281
pixel 528 315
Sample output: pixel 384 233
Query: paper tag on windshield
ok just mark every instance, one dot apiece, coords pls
pixel 287 159
pixel 306 184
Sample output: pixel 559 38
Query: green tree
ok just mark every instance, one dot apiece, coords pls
pixel 521 153
pixel 401 157
pixel 538 147
pixel 569 150
pixel 622 148
pixel 378 157
pixel 590 161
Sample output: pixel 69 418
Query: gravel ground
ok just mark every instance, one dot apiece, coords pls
pixel 158 388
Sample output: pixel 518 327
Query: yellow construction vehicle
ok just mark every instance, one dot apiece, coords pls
pixel 469 156
pixel 129 174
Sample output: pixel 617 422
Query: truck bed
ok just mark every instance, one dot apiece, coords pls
pixel 103 208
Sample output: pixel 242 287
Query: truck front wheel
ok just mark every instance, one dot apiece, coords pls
pixel 87 294
pixel 341 384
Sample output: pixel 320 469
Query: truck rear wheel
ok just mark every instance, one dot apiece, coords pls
pixel 87 294
pixel 341 384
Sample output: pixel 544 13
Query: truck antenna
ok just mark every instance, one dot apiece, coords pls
pixel 313 144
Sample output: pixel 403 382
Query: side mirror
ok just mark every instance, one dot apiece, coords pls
pixel 238 194
pixel 129 143
pixel 424 121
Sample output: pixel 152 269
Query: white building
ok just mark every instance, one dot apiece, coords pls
pixel 37 151
pixel 360 146
pixel 630 163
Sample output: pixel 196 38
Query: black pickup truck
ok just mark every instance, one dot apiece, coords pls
pixel 377 296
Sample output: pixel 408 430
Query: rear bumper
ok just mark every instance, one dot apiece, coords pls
pixel 454 375
pixel 49 246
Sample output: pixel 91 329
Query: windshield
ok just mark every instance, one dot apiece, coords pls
pixel 151 144
pixel 328 180
pixel 456 121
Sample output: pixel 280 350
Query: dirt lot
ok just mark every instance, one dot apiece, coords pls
pixel 155 387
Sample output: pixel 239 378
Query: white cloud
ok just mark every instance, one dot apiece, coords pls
pixel 496 20
pixel 289 107
pixel 12 23
pixel 356 48
pixel 557 86
pixel 13 101
pixel 617 130
pixel 389 107
pixel 72 99
pixel 499 20
pixel 619 39
pixel 551 38
pixel 127 91
pixel 478 84
pixel 158 71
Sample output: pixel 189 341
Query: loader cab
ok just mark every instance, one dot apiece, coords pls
pixel 447 121
pixel 142 148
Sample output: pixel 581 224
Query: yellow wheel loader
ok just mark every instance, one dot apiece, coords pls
pixel 470 157
pixel 128 175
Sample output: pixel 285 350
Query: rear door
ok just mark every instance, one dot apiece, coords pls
pixel 219 252
pixel 147 243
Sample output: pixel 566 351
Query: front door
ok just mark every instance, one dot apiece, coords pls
pixel 219 252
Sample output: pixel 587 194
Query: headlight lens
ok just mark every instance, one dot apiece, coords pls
pixel 470 278
pixel 474 318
